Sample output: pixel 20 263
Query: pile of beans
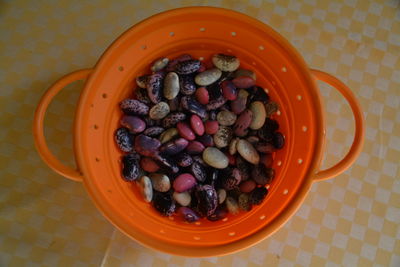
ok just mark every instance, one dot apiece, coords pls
pixel 199 141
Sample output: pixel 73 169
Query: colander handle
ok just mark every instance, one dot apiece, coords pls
pixel 358 141
pixel 38 129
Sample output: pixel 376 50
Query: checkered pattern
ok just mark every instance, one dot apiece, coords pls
pixel 351 220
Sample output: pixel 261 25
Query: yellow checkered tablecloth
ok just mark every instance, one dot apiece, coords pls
pixel 351 220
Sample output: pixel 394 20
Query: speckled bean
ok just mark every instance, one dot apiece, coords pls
pixel 223 136
pixel 154 87
pixel 188 66
pixel 187 85
pixel 225 62
pixel 244 202
pixel 134 107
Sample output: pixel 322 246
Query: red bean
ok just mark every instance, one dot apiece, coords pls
pixel 211 127
pixel 185 131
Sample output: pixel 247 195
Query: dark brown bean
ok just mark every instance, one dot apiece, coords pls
pixel 141 95
pixel 190 104
pixel 130 169
pixel 154 87
pixel 154 131
pixel 278 140
pixel 232 179
pixel 262 175
pixel 188 66
pixel 174 147
pixel 187 85
pixel 258 195
pixel 207 200
pixel 167 162
pixel 146 146
pixel 216 103
pixel 134 107
pixel 164 203
pixel 172 119
pixel 123 139
pixel 206 139
pixel 199 171
pixel 184 160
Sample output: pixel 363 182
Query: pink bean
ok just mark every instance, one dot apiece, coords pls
pixel 184 182
pixel 197 125
pixel 185 131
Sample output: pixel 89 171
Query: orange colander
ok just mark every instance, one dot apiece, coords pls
pixel 201 32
